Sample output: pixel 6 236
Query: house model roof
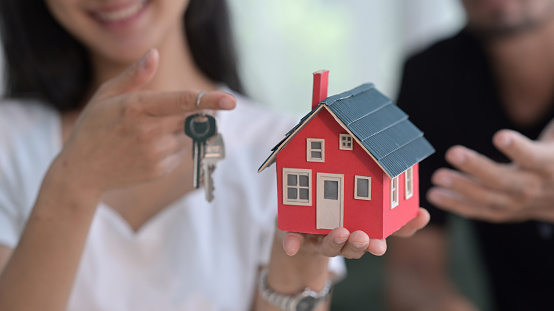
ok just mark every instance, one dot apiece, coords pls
pixel 376 123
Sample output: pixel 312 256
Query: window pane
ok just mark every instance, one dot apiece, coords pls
pixel 304 194
pixel 304 180
pixel 291 179
pixel 331 190
pixel 316 145
pixel 316 154
pixel 292 194
pixel 363 187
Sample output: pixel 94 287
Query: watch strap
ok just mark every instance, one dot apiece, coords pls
pixel 289 302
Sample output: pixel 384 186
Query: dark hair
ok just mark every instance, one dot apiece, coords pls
pixel 43 61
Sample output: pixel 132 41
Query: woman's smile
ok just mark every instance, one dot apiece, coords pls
pixel 121 15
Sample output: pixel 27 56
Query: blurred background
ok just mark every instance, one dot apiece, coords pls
pixel 282 42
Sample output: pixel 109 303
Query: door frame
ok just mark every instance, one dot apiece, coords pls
pixel 319 189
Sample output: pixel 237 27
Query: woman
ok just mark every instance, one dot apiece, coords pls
pixel 97 208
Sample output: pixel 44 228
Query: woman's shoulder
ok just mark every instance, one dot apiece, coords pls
pixel 26 126
pixel 19 114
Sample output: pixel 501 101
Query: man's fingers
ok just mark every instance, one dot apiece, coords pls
pixel 525 152
pixel 478 166
pixel 171 103
pixel 468 188
pixel 132 78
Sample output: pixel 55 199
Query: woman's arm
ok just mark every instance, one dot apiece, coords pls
pixel 301 260
pixel 122 138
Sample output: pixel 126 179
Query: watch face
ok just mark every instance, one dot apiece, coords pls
pixel 306 304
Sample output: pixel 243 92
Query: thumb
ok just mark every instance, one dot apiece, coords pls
pixel 132 78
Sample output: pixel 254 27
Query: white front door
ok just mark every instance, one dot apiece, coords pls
pixel 330 199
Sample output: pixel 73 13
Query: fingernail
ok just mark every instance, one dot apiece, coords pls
pixel 458 157
pixel 143 63
pixel 443 180
pixel 226 103
pixel 436 196
pixel 339 240
pixel 504 141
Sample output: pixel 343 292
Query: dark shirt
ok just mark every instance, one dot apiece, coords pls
pixel 449 92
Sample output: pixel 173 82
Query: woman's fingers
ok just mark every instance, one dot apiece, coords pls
pixel 334 242
pixel 420 221
pixel 132 78
pixel 292 242
pixel 175 103
pixel 356 246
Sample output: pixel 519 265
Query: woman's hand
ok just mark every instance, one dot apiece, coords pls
pixel 350 245
pixel 498 192
pixel 126 136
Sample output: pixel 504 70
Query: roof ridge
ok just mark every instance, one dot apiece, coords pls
pixel 407 143
pixel 386 128
pixel 366 87
pixel 390 102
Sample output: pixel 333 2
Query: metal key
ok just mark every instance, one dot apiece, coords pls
pixel 199 127
pixel 214 152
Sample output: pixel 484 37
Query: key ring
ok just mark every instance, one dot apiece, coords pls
pixel 198 98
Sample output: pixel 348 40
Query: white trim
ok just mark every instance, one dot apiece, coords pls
pixel 393 191
pixel 309 149
pixel 348 137
pixel 409 183
pixel 297 201
pixel 356 177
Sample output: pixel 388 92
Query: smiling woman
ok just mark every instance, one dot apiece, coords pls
pixel 97 205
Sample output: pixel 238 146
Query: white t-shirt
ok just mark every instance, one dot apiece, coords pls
pixel 193 255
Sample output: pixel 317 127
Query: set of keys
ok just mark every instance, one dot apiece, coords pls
pixel 208 149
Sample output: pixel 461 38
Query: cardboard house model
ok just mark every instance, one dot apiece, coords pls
pixel 351 162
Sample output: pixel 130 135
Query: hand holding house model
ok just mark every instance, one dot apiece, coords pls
pixel 351 162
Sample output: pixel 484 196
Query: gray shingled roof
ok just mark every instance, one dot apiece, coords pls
pixel 382 128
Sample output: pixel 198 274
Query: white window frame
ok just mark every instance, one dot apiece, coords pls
pixel 348 138
pixel 409 183
pixel 297 201
pixel 356 178
pixel 394 192
pixel 309 149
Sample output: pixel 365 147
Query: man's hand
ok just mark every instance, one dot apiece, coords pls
pixel 487 190
pixel 350 245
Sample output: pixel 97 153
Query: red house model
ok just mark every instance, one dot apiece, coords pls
pixel 351 162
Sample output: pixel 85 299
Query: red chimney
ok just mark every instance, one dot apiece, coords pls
pixel 321 80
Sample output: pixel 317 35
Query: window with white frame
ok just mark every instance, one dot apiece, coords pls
pixel 394 192
pixel 345 142
pixel 297 186
pixel 315 151
pixel 409 187
pixel 362 187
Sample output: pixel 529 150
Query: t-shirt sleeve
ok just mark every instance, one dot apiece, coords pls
pixel 9 222
pixel 10 214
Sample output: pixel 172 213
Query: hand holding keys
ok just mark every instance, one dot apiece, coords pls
pixel 208 149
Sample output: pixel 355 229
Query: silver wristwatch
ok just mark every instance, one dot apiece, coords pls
pixel 307 300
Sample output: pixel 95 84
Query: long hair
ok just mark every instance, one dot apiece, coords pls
pixel 43 61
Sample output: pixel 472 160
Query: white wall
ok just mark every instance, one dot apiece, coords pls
pixel 281 42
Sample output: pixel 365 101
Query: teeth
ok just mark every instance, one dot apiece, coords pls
pixel 122 14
